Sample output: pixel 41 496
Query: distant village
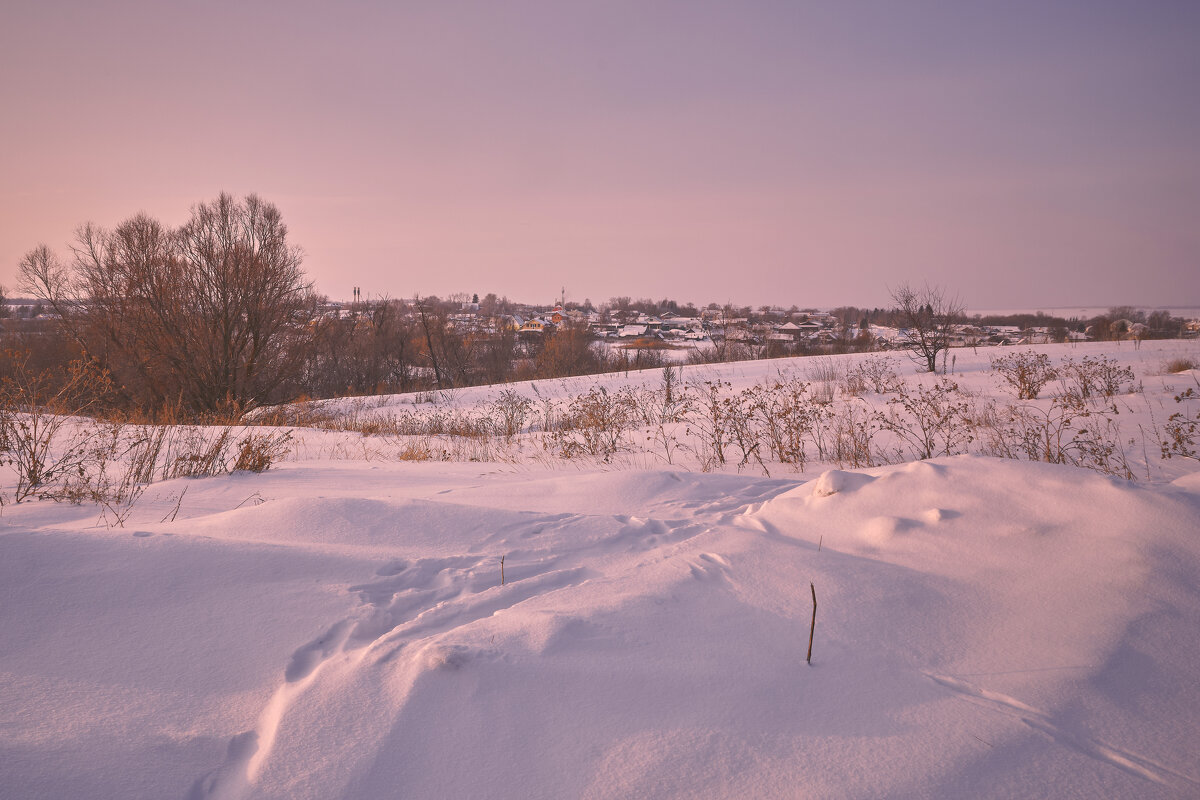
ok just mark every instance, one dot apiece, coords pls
pixel 330 348
pixel 774 331
pixel 645 332
pixel 764 332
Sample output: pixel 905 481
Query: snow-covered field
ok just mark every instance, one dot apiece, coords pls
pixel 676 352
pixel 349 624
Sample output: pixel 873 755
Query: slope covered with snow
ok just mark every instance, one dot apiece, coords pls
pixel 374 629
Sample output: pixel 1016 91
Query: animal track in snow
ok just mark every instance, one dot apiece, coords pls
pixel 306 659
pixel 709 566
pixel 646 534
pixel 415 601
pixel 1079 742
pixel 446 616
pixel 549 523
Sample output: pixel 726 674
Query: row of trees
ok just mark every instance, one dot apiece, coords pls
pixel 396 346
pixel 217 316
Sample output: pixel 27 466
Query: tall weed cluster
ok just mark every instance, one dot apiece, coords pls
pixel 51 449
pixel 858 417
pixel 1181 429
pixel 1078 425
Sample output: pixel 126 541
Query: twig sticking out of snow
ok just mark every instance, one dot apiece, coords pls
pixel 812 628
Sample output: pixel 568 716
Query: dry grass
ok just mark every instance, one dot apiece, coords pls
pixel 1177 365
pixel 788 421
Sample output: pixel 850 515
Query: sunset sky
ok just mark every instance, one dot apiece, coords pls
pixel 1023 154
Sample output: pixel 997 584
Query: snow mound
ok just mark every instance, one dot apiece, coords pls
pixel 835 481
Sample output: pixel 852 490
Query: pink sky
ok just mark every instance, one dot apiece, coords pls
pixel 1020 153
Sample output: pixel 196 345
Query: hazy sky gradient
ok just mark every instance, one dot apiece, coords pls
pixel 1022 153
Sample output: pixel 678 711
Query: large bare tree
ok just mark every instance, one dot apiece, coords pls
pixel 209 316
pixel 928 316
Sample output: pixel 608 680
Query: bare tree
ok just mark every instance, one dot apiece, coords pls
pixel 208 316
pixel 371 351
pixel 247 292
pixel 928 317
pixel 498 350
pixel 433 326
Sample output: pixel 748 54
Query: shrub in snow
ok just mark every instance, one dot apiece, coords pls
pixel 850 436
pixel 790 416
pixel 1091 377
pixel 1069 431
pixel 1026 372
pixel 1181 430
pixel 878 373
pixel 41 438
pixel 511 410
pixel 596 423
pixel 664 409
pixel 257 452
pixel 1177 365
pixel 933 421
pixel 711 423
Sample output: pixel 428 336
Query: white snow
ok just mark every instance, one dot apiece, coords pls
pixel 337 628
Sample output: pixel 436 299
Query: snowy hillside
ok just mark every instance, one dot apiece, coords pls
pixel 368 620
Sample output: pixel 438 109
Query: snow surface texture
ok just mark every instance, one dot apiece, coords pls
pixel 985 628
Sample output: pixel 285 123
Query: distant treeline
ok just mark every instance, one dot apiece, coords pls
pixel 1159 324
pixel 216 316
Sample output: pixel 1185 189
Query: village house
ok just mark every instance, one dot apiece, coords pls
pixel 534 326
pixel 634 330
